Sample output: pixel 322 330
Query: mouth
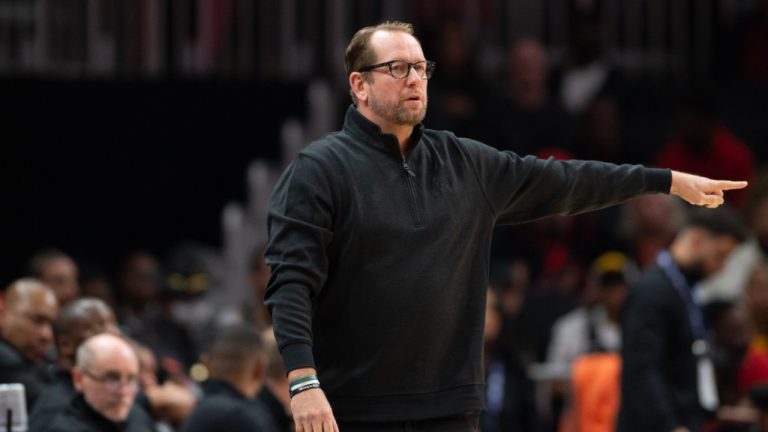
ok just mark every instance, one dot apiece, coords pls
pixel 414 98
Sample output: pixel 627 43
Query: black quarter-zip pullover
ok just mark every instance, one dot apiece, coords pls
pixel 380 263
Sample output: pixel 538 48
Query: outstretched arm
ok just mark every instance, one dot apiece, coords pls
pixel 702 191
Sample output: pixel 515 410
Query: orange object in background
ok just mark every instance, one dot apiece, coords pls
pixel 596 381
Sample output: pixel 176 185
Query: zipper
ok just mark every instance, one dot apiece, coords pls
pixel 409 175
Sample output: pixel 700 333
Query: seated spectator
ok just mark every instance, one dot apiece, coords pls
pixel 57 270
pixel 28 309
pixel 584 347
pixel 704 145
pixel 169 403
pixel 730 283
pixel 754 369
pixel 520 115
pixel 456 91
pixel 106 377
pixel 594 327
pixel 237 363
pixel 275 395
pixel 647 226
pixel 78 320
pixel 144 314
pixel 586 72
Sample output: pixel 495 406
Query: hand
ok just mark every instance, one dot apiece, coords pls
pixel 311 410
pixel 171 402
pixel 702 191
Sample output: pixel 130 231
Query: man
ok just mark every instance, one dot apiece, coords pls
pixel 664 335
pixel 379 240
pixel 585 347
pixel 26 315
pixel 236 362
pixel 57 270
pixel 78 320
pixel 594 327
pixel 106 377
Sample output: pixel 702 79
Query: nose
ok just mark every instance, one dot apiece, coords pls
pixel 413 77
pixel 46 334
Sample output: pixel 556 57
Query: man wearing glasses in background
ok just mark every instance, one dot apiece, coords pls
pixel 379 239
pixel 106 377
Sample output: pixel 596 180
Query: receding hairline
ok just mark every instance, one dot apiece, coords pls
pixel 21 290
pixel 360 43
pixel 94 346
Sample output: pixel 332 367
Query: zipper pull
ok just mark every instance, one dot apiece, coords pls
pixel 408 169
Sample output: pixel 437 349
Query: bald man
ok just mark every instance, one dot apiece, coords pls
pixel 106 376
pixel 78 320
pixel 26 335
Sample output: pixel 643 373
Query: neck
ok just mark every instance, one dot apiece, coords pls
pixel 250 388
pixel 403 135
pixel 401 132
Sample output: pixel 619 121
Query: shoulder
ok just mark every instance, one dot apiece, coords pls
pixel 218 408
pixel 328 145
pixel 652 288
pixel 139 420
pixel 572 320
pixel 9 357
pixel 67 420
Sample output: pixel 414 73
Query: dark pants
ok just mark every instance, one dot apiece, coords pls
pixel 469 422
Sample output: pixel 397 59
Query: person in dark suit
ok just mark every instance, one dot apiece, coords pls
pixel 26 315
pixel 106 376
pixel 237 363
pixel 663 330
pixel 78 320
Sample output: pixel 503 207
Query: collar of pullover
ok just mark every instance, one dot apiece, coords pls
pixel 358 125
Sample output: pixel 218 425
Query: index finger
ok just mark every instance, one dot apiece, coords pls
pixel 730 185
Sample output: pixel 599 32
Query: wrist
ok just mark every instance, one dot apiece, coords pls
pixel 302 384
pixel 301 372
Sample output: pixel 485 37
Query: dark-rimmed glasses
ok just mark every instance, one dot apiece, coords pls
pixel 400 69
pixel 113 381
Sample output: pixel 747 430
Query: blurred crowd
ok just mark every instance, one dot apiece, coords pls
pixel 144 347
pixel 140 349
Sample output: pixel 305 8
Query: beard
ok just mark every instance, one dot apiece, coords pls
pixel 396 111
pixel 694 273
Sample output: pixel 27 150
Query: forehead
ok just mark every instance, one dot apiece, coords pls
pixel 396 45
pixel 39 302
pixel 119 359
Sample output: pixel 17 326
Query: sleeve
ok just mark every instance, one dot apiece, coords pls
pixel 523 189
pixel 645 393
pixel 299 223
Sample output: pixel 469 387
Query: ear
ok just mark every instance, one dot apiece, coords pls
pixel 77 378
pixel 259 368
pixel 357 84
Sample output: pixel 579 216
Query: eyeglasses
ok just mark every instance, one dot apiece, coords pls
pixel 113 381
pixel 400 69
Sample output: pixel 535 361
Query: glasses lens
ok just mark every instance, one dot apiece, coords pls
pixel 429 68
pixel 399 69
